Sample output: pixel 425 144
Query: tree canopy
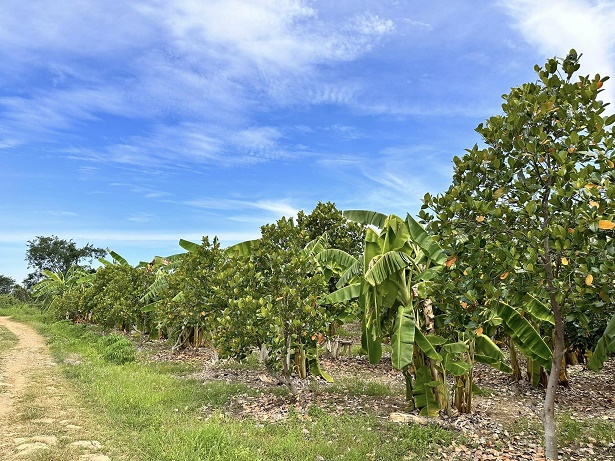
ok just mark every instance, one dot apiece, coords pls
pixel 57 255
pixel 530 216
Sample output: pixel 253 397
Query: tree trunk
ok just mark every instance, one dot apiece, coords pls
pixel 549 415
pixel 558 349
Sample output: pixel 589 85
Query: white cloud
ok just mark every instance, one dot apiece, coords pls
pixel 556 26
pixel 277 208
pixel 208 64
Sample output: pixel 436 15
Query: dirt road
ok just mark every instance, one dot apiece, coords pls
pixel 39 412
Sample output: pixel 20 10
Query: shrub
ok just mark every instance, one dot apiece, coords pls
pixel 117 349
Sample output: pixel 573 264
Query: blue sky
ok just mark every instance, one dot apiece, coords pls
pixel 132 124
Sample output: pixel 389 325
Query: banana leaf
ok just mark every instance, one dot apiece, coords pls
pixel 423 392
pixel 314 364
pixel 387 265
pixel 539 309
pixel 402 340
pixel 421 340
pixel 116 257
pixel 189 246
pixel 366 217
pixel 373 332
pixel 487 352
pixel 316 246
pixel 454 367
pixel 339 257
pixel 524 335
pixel 354 270
pixel 606 345
pixel 425 241
pixel 242 248
pixel 344 294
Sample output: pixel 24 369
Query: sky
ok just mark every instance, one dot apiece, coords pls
pixel 132 124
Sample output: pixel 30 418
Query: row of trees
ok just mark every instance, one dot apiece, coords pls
pixel 518 251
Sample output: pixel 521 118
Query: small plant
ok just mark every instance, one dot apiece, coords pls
pixel 117 349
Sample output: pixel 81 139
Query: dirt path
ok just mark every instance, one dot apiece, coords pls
pixel 38 409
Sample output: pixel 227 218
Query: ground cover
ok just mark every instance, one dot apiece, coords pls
pixel 188 406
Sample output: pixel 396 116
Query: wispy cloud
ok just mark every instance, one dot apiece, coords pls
pixel 226 59
pixel 277 208
pixel 141 217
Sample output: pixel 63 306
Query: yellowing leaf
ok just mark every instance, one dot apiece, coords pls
pixel 606 224
pixel 589 186
pixel 565 261
pixel 611 164
pixel 480 218
pixel 594 204
pixel 451 261
pixel 504 275
pixel 479 331
pixel 498 193
pixel 570 230
pixel 464 304
pixel 571 150
pixel 467 270
pixel 589 279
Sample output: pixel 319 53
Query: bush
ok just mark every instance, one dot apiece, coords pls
pixel 117 349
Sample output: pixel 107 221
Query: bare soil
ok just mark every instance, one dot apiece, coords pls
pixel 39 415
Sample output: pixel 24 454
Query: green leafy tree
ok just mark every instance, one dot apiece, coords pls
pixel 341 233
pixel 7 285
pixel 536 205
pixel 185 289
pixel 57 255
pixel 113 299
pixel 272 289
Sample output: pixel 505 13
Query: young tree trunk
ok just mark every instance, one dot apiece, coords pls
pixel 549 415
pixel 558 349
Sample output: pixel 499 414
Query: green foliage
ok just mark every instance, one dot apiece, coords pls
pixel 529 217
pixel 61 294
pixel 271 299
pixel 57 255
pixel 604 347
pixel 113 298
pixel 117 349
pixel 342 233
pixel 7 285
pixel 185 290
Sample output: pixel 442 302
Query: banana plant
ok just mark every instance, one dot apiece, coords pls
pixel 55 284
pixel 605 346
pixel 396 258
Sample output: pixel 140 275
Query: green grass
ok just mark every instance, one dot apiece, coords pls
pixel 7 339
pixel 152 413
pixel 573 431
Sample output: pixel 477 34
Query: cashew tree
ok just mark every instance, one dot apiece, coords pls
pixel 537 204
